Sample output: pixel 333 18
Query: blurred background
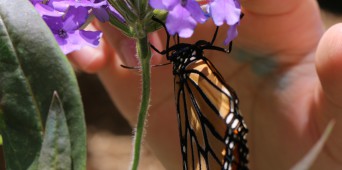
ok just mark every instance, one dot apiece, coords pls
pixel 110 136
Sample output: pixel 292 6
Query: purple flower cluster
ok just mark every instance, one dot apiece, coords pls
pixel 183 15
pixel 67 18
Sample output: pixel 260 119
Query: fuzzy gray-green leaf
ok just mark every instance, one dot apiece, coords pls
pixel 32 67
pixel 56 149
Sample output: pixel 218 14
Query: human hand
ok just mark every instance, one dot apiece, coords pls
pixel 286 103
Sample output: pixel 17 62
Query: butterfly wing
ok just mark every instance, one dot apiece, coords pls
pixel 212 131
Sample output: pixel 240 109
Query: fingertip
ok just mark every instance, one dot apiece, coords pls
pixel 329 62
pixel 89 59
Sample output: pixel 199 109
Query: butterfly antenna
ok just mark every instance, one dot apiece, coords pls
pixel 138 67
pixel 130 67
pixel 158 65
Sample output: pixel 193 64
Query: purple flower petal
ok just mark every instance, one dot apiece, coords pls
pixel 169 4
pixel 196 11
pixel 91 37
pixel 75 18
pixel 101 14
pixel 64 4
pixel 231 34
pixel 78 39
pixel 59 5
pixel 61 41
pixel 157 4
pixel 36 1
pixel 182 17
pixel 237 4
pixel 224 11
pixel 54 23
pixel 164 4
pixel 47 10
pixel 180 21
pixel 66 27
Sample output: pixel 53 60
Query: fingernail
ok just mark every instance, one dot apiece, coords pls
pixel 128 53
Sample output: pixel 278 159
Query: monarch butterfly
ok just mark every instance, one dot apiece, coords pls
pixel 212 130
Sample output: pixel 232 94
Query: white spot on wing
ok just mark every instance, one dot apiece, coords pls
pixel 225 166
pixel 235 123
pixel 225 90
pixel 186 60
pixel 229 118
pixel 231 145
pixel 232 108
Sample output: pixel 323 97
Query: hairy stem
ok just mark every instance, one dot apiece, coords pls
pixel 144 54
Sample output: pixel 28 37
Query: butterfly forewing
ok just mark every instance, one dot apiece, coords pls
pixel 207 109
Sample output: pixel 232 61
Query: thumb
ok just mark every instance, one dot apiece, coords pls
pixel 329 64
pixel 329 100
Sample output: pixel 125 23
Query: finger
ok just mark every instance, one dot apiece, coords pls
pixel 328 104
pixel 124 84
pixel 123 46
pixel 329 64
pixel 90 59
pixel 270 27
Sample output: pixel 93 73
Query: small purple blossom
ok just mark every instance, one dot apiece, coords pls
pixel 100 8
pixel 185 22
pixel 103 12
pixel 66 19
pixel 67 30
pixel 226 11
pixel 183 15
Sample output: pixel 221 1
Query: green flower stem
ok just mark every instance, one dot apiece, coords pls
pixel 144 54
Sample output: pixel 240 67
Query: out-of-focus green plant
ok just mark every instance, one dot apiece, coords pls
pixel 56 148
pixel 32 67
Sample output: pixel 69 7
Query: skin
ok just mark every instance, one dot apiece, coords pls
pixel 284 68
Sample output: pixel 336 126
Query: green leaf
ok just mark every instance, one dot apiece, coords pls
pixel 32 67
pixel 56 149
